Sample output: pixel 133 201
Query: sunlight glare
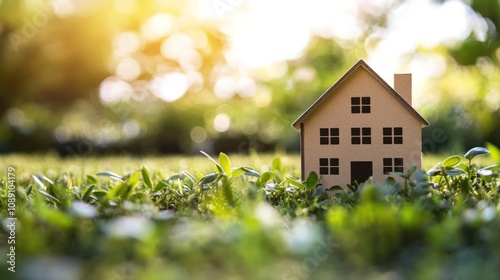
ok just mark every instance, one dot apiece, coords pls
pixel 246 87
pixel 126 43
pixel 114 89
pixel 225 87
pixel 170 87
pixel 176 45
pixel 158 26
pixel 128 69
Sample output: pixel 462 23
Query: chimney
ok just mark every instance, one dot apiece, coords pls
pixel 402 85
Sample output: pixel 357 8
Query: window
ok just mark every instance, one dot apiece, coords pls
pixel 329 136
pixel 393 165
pixel 393 135
pixel 360 105
pixel 329 166
pixel 361 135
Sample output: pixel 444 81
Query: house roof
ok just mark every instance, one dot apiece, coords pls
pixel 358 64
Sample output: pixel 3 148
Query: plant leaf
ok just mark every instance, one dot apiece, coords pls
pixel 251 172
pixel 265 177
pixel 111 175
pixel 117 191
pixel 51 197
pixel 238 172
pixel 146 179
pixel 312 180
pixel 294 182
pixel 225 163
pixel 454 172
pixel 87 194
pixel 494 152
pixel 476 151
pixel 451 162
pixel 160 185
pixel 207 179
pixel 435 170
pixel 219 168
pixel 319 191
pixel 277 165
pixel 38 181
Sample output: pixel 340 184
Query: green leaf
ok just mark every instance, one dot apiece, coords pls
pixel 117 191
pixel 489 170
pixel 189 176
pixel 91 179
pixel 207 179
pixel 176 177
pixel 219 168
pixel 435 170
pixel 485 172
pixel 47 180
pixel 225 163
pixel 111 175
pixel 476 151
pixel 227 191
pixel 265 177
pixel 410 171
pixel 451 162
pixel 319 191
pixel 277 165
pixel 38 182
pixel 134 179
pixel 238 172
pixel 28 189
pixel 390 181
pixel 146 178
pixel 86 196
pixel 312 180
pixel 251 172
pixel 454 172
pixel 494 152
pixel 294 182
pixel 49 196
pixel 160 185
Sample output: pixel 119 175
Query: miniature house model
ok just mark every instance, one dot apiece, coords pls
pixel 361 127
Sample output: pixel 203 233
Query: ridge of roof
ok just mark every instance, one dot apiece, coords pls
pixel 362 63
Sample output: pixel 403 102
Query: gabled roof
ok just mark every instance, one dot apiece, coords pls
pixel 358 64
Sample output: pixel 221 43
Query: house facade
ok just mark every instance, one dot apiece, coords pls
pixel 361 127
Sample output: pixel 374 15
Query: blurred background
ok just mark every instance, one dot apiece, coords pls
pixel 83 77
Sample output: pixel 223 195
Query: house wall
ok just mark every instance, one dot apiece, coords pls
pixel 335 112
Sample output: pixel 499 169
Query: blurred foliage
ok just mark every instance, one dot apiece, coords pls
pixel 57 56
pixel 250 222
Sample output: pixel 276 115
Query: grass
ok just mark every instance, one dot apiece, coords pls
pixel 246 217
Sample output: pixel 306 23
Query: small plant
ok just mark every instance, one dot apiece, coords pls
pixel 467 182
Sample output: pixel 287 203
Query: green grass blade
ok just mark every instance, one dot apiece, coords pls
pixel 146 179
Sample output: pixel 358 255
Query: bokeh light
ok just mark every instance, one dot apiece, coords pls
pixel 158 26
pixel 170 87
pixel 222 122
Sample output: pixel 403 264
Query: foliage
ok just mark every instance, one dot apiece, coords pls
pixel 238 222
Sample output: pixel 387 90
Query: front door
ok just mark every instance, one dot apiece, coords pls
pixel 361 171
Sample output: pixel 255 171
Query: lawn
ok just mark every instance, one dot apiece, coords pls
pixel 245 217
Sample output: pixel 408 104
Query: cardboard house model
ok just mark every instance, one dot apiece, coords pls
pixel 361 127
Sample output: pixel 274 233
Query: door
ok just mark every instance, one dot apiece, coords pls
pixel 361 171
